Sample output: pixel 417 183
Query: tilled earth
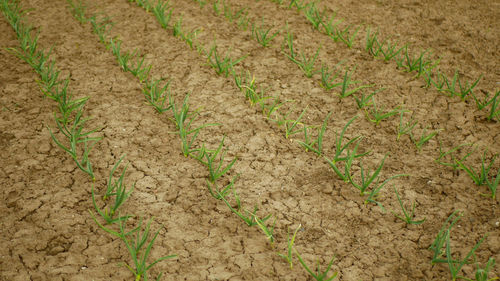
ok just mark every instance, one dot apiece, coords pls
pixel 46 230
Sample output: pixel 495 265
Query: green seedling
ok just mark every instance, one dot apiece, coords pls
pixel 183 120
pixel 406 128
pixel 139 70
pixel 247 216
pixel 331 27
pixel 136 242
pixel 253 94
pixel 269 109
pixel 365 100
pixel 268 231
pixel 298 4
pixel 408 216
pixel 463 90
pixel 376 114
pixel 306 64
pixel 177 28
pixel 453 162
pixel 187 37
pixel 243 21
pixel 123 59
pixel 386 49
pixel 314 16
pixel 481 177
pixel 319 275
pixel 66 103
pixel 224 191
pixel 373 195
pixel 290 125
pixel 417 63
pixel 315 146
pixel 328 77
pixel 344 92
pixel 438 244
pixel 202 3
pixel 288 41
pixel 216 171
pixel 494 102
pixel 456 266
pixel 263 35
pixel 49 77
pixel 229 15
pixel 163 13
pixel 75 135
pixel 346 36
pixel 424 138
pixel 216 8
pixel 157 95
pixel 78 10
pixel 101 28
pixel 290 241
pixel 223 66
pixel 493 185
pixel 368 179
pixel 482 273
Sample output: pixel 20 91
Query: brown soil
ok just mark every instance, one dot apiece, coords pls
pixel 47 233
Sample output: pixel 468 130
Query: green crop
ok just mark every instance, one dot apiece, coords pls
pixel 306 64
pixel 268 231
pixel 480 177
pixel 385 49
pixel 424 138
pixel 417 63
pixel 263 35
pixel 298 4
pixel 222 65
pixel 331 27
pixel 494 102
pixel 453 162
pixel 345 92
pixel 366 100
pixel 318 275
pixel 367 179
pixel 406 128
pixel 215 191
pixel 163 13
pixel 216 171
pixel 228 12
pixel 101 27
pixel 456 266
pixel 408 216
pixel 347 36
pixel 463 90
pixel 136 242
pixel 373 195
pixel 290 241
pixel 247 216
pixel 157 95
pixel 482 273
pixel 376 114
pixel 328 77
pixel 440 240
pixel 314 15
pixel 315 146
pixel 187 37
pixel 290 125
pixel 183 120
pixel 78 10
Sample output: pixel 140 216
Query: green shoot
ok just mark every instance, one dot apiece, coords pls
pixel 481 177
pixel 202 3
pixel 156 95
pixel 453 162
pixel 372 197
pixel 298 4
pixel 366 100
pixel 183 120
pixel 417 63
pixel 344 92
pixel 214 191
pixel 456 266
pixel 463 90
pixel 306 64
pixel 269 232
pixel 318 276
pixel 494 102
pixel 216 172
pixel 223 66
pixel 493 185
pixel 229 15
pixel 438 244
pixel 424 138
pixel 159 12
pixel 386 49
pixel 216 8
pixel 368 179
pixel 289 43
pixel 137 247
pixel 408 216
pixel 331 27
pixel 187 37
pixel 346 36
pixel 407 128
pixel 291 124
pixel 288 257
pixel 315 146
pixel 376 114
pixel 101 28
pixel 247 217
pixel 78 10
pixel 263 35
pixel 328 77
pixel 314 15
pixel 482 273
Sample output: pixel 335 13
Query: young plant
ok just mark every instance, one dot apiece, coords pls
pixel 408 216
pixel 223 66
pixel 268 231
pixel 306 64
pixel 328 77
pixel 346 36
pixel 319 275
pixel 183 120
pixel 288 257
pixel 368 179
pixel 366 100
pixel 406 128
pixel 136 243
pixel 224 191
pixel 291 124
pixel 315 146
pixel 157 95
pixel 482 273
pixel 331 27
pixel 424 138
pixel 494 102
pixel 314 16
pixel 216 171
pixel 463 90
pixel 456 266
pixel 438 244
pixel 372 197
pixel 298 4
pixel 247 216
pixel 228 13
pixel 163 13
pixel 453 162
pixel 263 35
pixel 78 10
pixel 101 27
pixel 376 114
pixel 417 63
pixel 344 92
pixel 481 177
pixel 493 185
pixel 139 71
pixel 288 41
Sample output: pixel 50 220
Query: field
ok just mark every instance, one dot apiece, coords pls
pixel 249 140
